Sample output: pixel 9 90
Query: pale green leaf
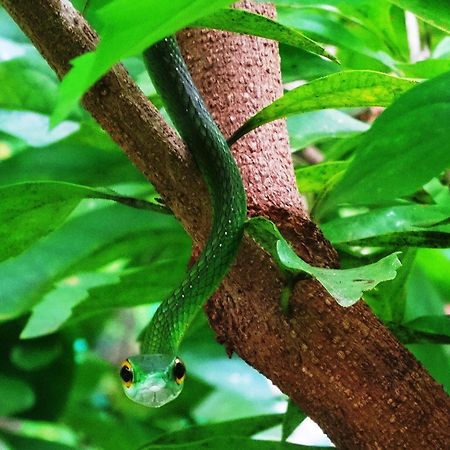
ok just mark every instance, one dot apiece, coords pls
pixel 345 285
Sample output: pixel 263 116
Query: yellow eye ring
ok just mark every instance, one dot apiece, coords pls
pixel 126 373
pixel 179 371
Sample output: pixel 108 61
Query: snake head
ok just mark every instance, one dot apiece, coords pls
pixel 152 380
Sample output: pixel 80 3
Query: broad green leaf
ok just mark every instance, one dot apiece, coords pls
pixel 435 12
pixel 34 128
pixel 436 359
pixel 245 427
pixel 328 27
pixel 382 221
pixel 412 133
pixel 16 396
pixel 423 238
pixel 56 307
pixel 296 64
pixel 27 81
pixel 343 89
pixel 33 210
pixel 35 355
pixel 127 28
pixel 231 442
pixel 45 432
pixel 428 68
pixel 240 21
pixel 314 178
pixel 436 265
pixel 389 299
pixel 291 419
pixel 88 241
pixel 77 159
pixel 149 284
pixel 345 285
pixel 438 325
pixel 318 126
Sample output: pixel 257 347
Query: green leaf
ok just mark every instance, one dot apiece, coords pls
pixel 16 396
pixel 35 355
pixel 240 21
pixel 431 238
pixel 232 442
pixel 389 299
pixel 33 210
pixel 318 126
pixel 413 128
pixel 343 89
pixel 128 29
pixel 346 286
pixel 435 12
pixel 56 307
pixel 327 26
pixel 437 325
pixel 88 241
pixel 428 68
pixel 27 81
pixel 149 284
pixel 46 433
pixel 312 179
pixel 291 420
pixel 383 221
pixel 245 427
pixel 296 64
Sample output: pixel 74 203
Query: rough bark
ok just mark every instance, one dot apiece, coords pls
pixel 341 366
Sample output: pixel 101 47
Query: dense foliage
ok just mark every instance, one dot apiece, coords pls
pixel 86 251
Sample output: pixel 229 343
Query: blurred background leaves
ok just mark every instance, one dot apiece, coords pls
pixel 77 290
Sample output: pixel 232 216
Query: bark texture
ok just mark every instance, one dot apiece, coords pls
pixel 341 366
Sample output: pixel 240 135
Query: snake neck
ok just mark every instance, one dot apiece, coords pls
pixel 208 146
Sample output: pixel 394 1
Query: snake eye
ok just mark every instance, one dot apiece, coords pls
pixel 179 371
pixel 126 373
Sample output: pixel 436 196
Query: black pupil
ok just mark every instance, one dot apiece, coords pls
pixel 126 374
pixel 179 370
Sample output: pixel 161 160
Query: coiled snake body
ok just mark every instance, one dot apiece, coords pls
pixel 156 376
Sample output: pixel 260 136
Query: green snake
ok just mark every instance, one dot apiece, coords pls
pixel 156 376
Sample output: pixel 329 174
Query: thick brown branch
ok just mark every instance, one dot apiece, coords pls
pixel 340 365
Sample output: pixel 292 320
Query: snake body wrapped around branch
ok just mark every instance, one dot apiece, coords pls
pixel 156 376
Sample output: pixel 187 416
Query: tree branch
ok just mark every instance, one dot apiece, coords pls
pixel 341 366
